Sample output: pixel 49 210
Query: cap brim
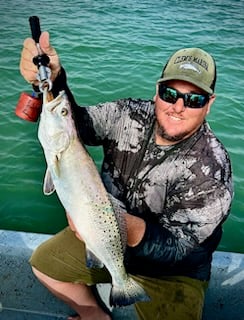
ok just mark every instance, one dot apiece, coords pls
pixel 187 79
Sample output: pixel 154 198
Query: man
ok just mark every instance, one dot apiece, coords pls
pixel 165 164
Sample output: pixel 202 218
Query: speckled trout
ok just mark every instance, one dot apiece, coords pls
pixel 73 174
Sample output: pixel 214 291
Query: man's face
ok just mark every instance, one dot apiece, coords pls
pixel 175 122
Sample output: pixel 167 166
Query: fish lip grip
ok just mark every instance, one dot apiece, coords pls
pixel 41 60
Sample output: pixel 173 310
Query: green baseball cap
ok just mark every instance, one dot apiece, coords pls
pixel 193 65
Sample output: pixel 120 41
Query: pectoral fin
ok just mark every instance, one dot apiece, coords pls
pixel 48 186
pixel 54 165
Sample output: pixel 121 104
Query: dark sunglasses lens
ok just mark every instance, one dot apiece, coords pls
pixel 196 100
pixel 167 94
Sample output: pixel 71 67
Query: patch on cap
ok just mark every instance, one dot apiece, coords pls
pixel 189 66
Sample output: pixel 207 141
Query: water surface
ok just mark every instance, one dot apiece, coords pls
pixel 112 50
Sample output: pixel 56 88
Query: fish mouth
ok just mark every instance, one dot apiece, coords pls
pixel 52 105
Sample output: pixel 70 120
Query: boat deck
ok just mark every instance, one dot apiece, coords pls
pixel 22 297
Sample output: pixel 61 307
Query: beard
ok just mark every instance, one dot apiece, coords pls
pixel 161 132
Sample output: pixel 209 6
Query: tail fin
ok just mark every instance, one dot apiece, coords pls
pixel 130 292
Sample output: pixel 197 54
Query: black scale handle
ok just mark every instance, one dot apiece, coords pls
pixel 35 28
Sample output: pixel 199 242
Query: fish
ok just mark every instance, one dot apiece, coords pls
pixel 189 66
pixel 97 216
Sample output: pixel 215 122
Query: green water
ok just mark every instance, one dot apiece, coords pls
pixel 112 50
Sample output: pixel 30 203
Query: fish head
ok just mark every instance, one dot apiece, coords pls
pixel 56 128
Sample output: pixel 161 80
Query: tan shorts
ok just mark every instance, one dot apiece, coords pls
pixel 62 257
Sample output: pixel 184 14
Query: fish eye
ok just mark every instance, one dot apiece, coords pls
pixel 64 112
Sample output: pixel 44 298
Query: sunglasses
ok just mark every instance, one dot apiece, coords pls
pixel 191 100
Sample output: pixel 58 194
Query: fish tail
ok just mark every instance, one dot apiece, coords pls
pixel 128 293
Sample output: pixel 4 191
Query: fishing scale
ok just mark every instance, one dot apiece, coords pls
pixel 29 105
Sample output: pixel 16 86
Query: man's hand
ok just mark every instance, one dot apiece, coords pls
pixel 28 69
pixel 135 229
